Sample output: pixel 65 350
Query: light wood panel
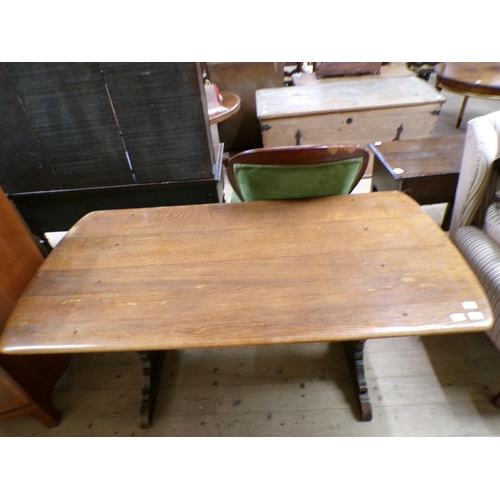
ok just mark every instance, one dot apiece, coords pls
pixel 258 273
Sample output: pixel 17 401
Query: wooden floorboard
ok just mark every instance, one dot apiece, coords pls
pixel 439 386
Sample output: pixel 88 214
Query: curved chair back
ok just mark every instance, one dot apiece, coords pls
pixel 296 172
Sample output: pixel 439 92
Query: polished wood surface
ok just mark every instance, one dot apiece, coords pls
pixel 328 269
pixel 425 169
pixel 231 102
pixel 26 382
pixel 475 79
pixel 20 258
pixel 433 156
pixel 354 110
pixel 470 80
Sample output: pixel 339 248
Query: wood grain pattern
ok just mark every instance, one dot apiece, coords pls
pixel 425 169
pixel 25 381
pixel 432 386
pixel 328 269
pixel 352 127
pixel 480 79
pixel 342 96
pixel 20 258
pixel 424 157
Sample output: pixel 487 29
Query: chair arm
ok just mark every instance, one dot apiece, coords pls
pixel 483 256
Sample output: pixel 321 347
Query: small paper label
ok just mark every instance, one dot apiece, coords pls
pixel 458 317
pixel 399 171
pixel 469 304
pixel 475 315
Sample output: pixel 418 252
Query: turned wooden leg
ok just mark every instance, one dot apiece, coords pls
pixel 46 414
pixel 496 400
pixel 462 110
pixel 152 362
pixel 354 352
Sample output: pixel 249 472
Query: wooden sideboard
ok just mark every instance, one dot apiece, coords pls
pixel 26 382
pixel 79 137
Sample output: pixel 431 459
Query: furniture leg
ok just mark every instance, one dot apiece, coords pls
pixel 354 353
pixel 496 400
pixel 445 225
pixel 152 362
pixel 462 110
pixel 47 414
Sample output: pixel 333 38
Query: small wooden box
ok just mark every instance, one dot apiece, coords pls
pixel 327 69
pixel 357 110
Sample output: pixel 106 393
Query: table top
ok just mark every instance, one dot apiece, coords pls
pixel 267 272
pixel 422 157
pixel 231 102
pixel 344 94
pixel 476 79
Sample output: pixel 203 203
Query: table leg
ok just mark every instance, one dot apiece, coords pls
pixel 445 225
pixel 152 362
pixel 462 110
pixel 354 352
pixel 46 413
pixel 496 400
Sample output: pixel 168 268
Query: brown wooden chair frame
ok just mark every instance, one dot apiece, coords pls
pixel 296 155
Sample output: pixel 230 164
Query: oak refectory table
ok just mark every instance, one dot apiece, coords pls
pixel 335 269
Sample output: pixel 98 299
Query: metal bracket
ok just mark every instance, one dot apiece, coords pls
pixel 399 132
pixel 298 135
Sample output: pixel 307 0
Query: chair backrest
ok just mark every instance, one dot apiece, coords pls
pixel 296 172
pixel 477 179
pixel 20 258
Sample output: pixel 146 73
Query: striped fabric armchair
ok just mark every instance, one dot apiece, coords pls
pixel 475 223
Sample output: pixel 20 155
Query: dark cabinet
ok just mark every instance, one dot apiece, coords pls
pixel 78 137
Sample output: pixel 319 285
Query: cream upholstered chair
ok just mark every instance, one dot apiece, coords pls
pixel 475 223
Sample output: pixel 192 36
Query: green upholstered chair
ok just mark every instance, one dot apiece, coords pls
pixel 296 172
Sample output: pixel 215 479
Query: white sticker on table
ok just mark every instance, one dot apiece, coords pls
pixel 475 315
pixel 469 304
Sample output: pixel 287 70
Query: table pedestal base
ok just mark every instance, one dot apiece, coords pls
pixel 152 362
pixel 496 400
pixel 354 353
